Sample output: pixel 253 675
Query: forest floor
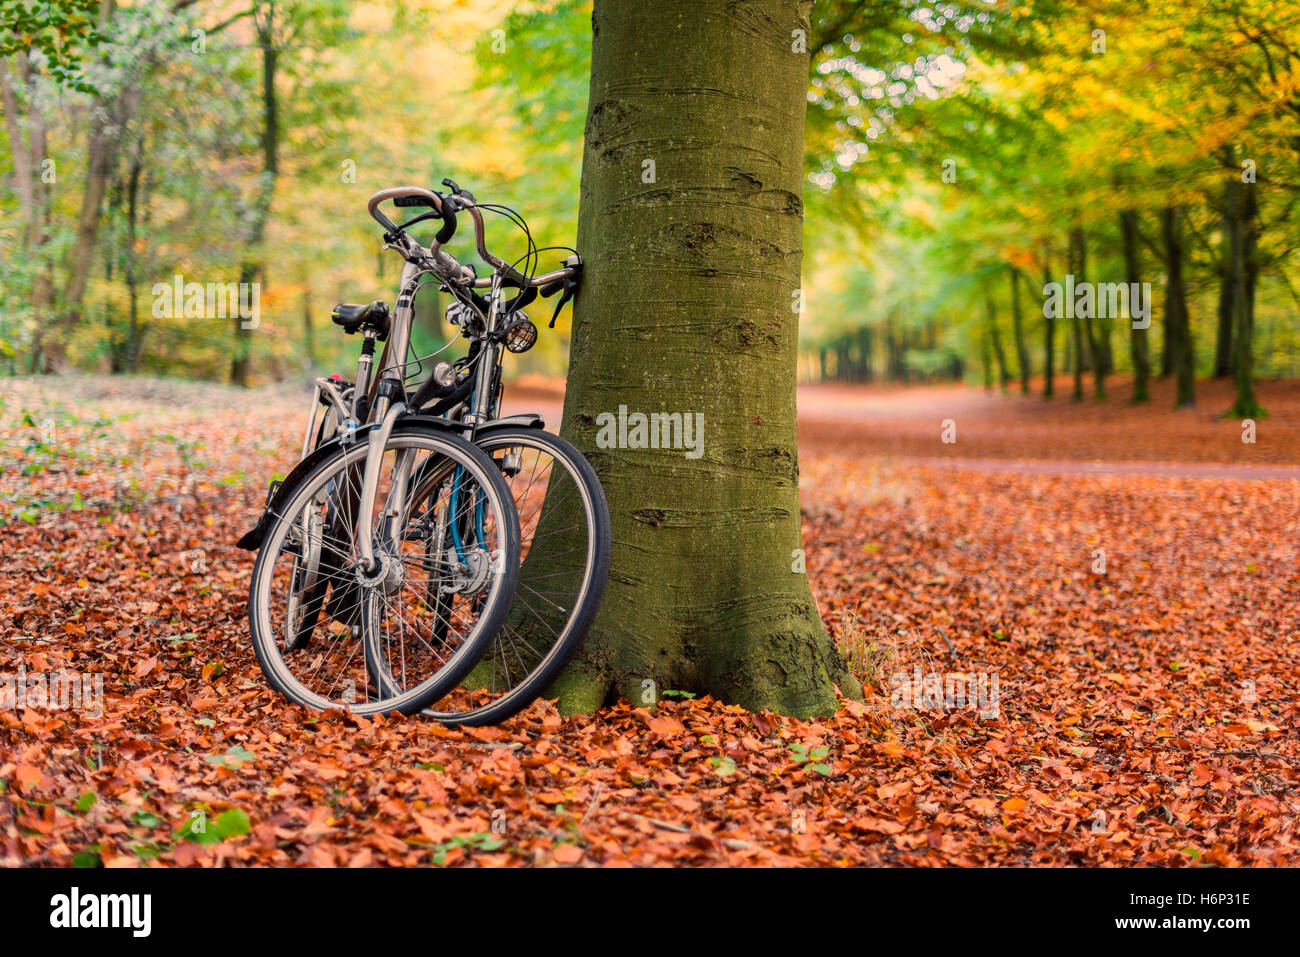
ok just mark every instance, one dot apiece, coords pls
pixel 1132 631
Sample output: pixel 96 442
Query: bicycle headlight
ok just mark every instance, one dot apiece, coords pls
pixel 522 334
pixel 444 374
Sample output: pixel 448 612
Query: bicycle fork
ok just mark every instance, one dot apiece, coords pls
pixel 377 440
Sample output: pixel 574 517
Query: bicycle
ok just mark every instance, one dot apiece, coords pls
pixel 349 582
pixel 564 520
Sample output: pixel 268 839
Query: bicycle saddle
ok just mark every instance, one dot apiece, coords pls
pixel 352 317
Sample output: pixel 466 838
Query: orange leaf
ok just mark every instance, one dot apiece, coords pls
pixel 985 806
pixel 431 828
pixel 27 776
pixel 666 726
pixel 567 853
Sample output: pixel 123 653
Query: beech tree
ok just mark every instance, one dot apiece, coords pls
pixel 690 223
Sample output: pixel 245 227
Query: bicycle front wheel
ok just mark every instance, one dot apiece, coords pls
pixel 427 608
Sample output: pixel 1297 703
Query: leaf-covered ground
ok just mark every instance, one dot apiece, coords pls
pixel 1142 632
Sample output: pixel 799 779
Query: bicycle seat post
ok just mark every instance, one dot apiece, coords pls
pixel 361 393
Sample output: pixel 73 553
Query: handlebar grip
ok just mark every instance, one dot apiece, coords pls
pixel 521 300
pixel 401 196
pixel 448 221
pixel 551 288
pixel 452 185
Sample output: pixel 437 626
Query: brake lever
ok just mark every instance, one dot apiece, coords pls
pixel 570 287
pixel 456 189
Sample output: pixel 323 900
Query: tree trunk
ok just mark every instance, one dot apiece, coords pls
pixel 1049 336
pixel 1076 324
pixel 131 273
pixel 1018 326
pixel 1244 239
pixel 1226 317
pixel 101 154
pixel 1138 343
pixel 995 337
pixel 308 333
pixel 253 268
pixel 1226 312
pixel 1182 355
pixel 706 590
pixel 1166 340
pixel 26 153
pixel 864 353
pixel 986 360
pixel 108 121
pixel 1096 332
pixel 896 372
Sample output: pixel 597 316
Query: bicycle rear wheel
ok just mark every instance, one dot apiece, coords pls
pixel 564 554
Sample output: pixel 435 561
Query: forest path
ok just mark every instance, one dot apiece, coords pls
pixel 1027 435
pixel 1203 470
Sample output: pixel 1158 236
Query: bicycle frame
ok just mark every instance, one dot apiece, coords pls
pixel 377 391
pixel 385 412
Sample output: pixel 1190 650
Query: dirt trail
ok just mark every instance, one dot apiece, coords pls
pixel 1027 435
pixel 1205 470
pixel 1098 436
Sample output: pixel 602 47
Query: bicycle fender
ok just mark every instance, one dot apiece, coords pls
pixel 525 420
pixel 252 540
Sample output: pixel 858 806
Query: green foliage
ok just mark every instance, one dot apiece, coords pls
pixel 236 756
pixel 59 32
pixel 228 824
pixel 812 759
pixel 1039 132
pixel 474 842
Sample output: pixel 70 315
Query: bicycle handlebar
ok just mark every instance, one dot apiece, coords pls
pixel 444 206
pixel 548 284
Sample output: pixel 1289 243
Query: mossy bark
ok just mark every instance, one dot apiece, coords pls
pixel 690 226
